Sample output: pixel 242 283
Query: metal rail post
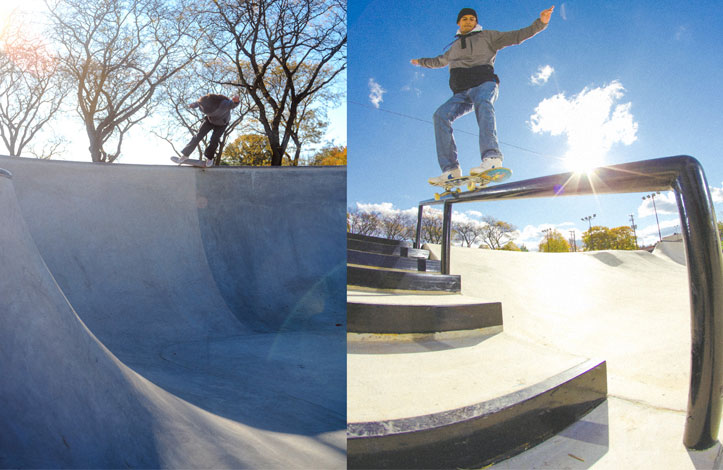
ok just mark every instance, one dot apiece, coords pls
pixel 446 237
pixel 705 281
pixel 418 238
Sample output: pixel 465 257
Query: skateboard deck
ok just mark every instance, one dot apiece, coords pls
pixel 473 183
pixel 190 161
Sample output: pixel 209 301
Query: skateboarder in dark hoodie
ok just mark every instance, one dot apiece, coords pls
pixel 217 109
pixel 471 60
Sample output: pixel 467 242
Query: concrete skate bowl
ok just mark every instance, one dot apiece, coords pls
pixel 157 317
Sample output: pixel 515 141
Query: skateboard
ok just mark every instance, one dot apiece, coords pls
pixel 190 161
pixel 474 183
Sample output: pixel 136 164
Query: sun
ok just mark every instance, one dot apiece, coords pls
pixel 8 6
pixel 582 164
pixel 18 7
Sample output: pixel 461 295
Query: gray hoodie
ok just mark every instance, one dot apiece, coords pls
pixel 471 58
pixel 217 108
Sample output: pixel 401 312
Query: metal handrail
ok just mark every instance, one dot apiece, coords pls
pixel 684 175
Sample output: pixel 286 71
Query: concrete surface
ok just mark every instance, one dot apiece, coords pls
pixel 673 249
pixel 397 380
pixel 171 317
pixel 629 308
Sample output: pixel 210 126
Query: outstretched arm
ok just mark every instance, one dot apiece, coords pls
pixel 511 38
pixel 431 62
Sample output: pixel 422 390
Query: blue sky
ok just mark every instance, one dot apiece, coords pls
pixel 614 81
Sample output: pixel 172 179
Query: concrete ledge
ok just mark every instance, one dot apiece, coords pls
pixel 480 434
pixel 441 336
pixel 386 249
pixel 400 280
pixel 408 319
pixel 386 241
pixel 394 262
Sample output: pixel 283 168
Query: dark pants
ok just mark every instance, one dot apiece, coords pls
pixel 206 127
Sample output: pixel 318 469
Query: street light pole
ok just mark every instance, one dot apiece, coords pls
pixel 589 218
pixel 652 196
pixel 633 226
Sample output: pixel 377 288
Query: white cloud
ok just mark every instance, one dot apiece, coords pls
pixel 717 194
pixel 375 92
pixel 591 121
pixel 543 75
pixel 665 203
pixel 384 208
pixel 412 85
pixel 648 235
pixel 683 33
pixel 387 208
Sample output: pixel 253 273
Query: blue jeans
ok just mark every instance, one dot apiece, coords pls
pixel 480 98
pixel 216 136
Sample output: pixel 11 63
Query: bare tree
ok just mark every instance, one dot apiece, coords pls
pixel 302 42
pixel 468 232
pixel 397 226
pixel 117 53
pixel 30 92
pixel 363 222
pixel 496 232
pixel 432 228
pixel 310 123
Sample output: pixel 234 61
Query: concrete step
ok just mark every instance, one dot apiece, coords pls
pixel 466 402
pixel 365 258
pixel 395 314
pixel 386 249
pixel 400 280
pixel 387 241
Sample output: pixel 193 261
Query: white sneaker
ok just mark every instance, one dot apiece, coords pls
pixel 209 163
pixel 447 175
pixel 487 164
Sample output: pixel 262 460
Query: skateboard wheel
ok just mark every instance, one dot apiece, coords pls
pixel 436 196
pixel 471 185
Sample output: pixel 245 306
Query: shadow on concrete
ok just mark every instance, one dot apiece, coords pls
pixel 709 459
pixel 580 446
pixel 417 345
pixel 282 382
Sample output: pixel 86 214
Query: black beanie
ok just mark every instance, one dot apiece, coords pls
pixel 466 11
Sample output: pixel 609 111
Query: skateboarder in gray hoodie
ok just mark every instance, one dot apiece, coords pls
pixel 217 109
pixel 471 60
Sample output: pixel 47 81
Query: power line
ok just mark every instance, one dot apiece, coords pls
pixel 426 121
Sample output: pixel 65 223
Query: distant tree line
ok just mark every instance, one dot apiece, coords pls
pixel 488 233
pixel 596 238
pixel 398 225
